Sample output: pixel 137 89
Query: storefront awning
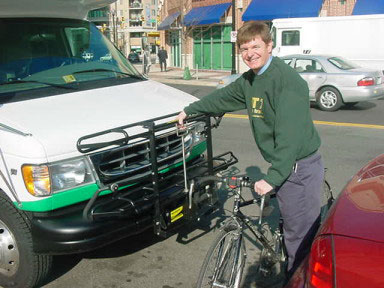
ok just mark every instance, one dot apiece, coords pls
pixel 365 7
pixel 168 21
pixel 274 9
pixel 205 15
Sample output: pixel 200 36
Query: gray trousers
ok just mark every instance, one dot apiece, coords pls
pixel 300 200
pixel 163 62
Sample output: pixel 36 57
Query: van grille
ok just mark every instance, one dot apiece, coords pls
pixel 133 162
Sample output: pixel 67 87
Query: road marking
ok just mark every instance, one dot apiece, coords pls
pixel 239 116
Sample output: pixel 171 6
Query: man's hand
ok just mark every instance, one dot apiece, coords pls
pixel 181 117
pixel 262 187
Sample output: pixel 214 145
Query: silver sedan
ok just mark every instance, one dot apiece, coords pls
pixel 332 80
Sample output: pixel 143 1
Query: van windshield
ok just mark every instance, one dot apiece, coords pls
pixel 41 52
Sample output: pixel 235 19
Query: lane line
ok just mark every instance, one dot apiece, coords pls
pixel 341 124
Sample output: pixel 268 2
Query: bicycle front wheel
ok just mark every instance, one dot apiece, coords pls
pixel 224 263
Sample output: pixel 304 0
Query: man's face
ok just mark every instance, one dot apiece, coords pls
pixel 255 53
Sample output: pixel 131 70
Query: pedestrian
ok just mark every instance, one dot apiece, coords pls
pixel 163 56
pixel 147 61
pixel 277 102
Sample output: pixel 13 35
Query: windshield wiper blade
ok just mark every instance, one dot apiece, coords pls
pixel 109 70
pixel 39 82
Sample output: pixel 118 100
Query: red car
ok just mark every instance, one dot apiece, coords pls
pixel 348 250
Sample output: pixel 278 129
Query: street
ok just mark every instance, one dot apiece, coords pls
pixel 147 261
pixel 369 112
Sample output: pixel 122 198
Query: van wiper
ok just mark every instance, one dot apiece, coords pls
pixel 110 70
pixel 39 82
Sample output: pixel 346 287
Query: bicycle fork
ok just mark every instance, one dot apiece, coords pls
pixel 225 258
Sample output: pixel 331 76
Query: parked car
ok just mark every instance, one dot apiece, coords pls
pixel 227 80
pixel 348 250
pixel 133 57
pixel 332 80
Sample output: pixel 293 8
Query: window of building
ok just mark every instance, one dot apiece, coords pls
pixel 135 34
pixel 290 38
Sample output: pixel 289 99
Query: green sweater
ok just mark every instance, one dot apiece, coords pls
pixel 277 102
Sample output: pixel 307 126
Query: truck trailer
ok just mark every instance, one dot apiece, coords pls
pixel 357 38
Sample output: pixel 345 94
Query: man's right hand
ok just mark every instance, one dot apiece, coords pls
pixel 181 117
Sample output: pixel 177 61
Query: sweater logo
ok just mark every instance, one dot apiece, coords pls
pixel 257 107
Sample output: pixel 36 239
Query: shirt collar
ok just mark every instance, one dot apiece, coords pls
pixel 262 70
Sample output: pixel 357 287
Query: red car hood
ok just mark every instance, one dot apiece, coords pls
pixel 359 210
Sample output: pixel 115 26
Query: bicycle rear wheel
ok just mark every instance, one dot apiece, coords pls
pixel 224 263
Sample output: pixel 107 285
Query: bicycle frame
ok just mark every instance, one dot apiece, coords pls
pixel 243 220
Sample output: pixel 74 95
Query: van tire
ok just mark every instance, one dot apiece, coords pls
pixel 21 268
pixel 329 99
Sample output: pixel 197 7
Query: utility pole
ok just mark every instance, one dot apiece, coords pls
pixel 233 71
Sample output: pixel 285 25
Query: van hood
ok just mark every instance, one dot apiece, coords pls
pixel 57 122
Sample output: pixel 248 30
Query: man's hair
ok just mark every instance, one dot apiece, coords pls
pixel 252 29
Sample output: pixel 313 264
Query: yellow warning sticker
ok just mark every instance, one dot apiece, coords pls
pixel 176 214
pixel 69 78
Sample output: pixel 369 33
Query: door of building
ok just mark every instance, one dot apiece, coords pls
pixel 175 48
pixel 212 48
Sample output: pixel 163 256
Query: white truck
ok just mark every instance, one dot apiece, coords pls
pixel 89 149
pixel 357 38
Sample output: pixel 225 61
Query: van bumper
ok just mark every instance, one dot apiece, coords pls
pixel 68 231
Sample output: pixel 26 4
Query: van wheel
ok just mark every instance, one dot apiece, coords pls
pixel 20 267
pixel 329 99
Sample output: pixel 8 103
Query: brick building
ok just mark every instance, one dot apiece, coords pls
pixel 203 41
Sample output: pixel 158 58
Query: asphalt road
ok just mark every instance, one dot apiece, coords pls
pixel 150 262
pixel 369 112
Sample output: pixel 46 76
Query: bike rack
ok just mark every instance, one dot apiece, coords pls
pixel 153 179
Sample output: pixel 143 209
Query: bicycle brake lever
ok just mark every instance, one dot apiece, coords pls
pixel 261 208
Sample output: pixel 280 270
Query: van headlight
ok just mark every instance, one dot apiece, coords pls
pixel 43 180
pixel 198 132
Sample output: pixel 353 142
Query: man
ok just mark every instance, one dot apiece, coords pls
pixel 277 101
pixel 147 61
pixel 163 56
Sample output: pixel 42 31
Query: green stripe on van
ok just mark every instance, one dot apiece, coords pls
pixel 79 194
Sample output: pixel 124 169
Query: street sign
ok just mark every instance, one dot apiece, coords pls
pixel 233 36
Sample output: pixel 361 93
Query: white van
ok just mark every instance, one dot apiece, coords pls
pixel 89 151
pixel 357 38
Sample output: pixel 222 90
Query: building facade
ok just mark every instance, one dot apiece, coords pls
pixel 197 33
pixel 130 24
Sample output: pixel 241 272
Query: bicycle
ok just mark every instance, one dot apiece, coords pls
pixel 227 253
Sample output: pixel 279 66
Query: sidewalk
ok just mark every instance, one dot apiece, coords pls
pixel 175 76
